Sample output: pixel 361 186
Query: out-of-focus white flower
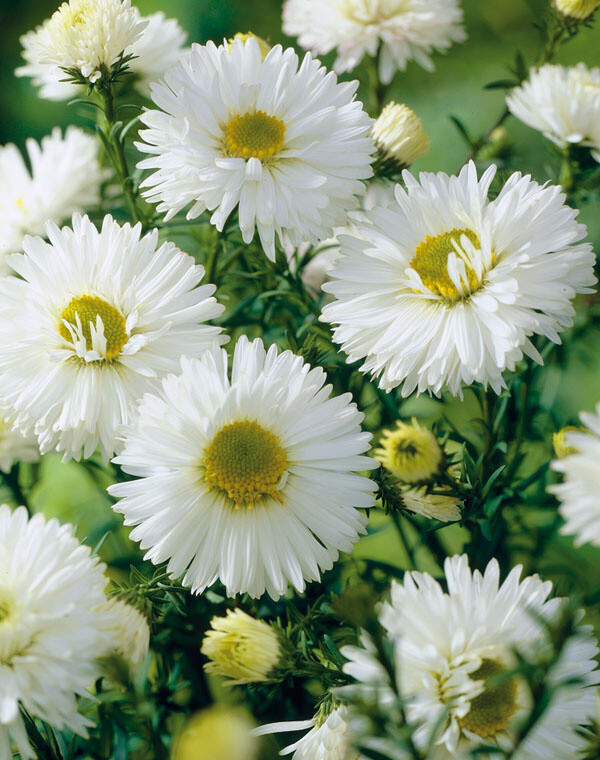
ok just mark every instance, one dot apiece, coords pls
pixel 401 30
pixel 447 287
pixel 563 103
pixel 97 319
pixel 281 140
pixel 576 10
pixel 447 647
pixel 15 446
pixel 579 492
pixel 50 628
pixel 159 47
pixel 252 480
pixel 400 135
pixel 127 630
pixel 65 178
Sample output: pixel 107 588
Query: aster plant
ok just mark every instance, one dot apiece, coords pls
pixel 284 447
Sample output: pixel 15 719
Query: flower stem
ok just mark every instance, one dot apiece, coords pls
pixel 115 149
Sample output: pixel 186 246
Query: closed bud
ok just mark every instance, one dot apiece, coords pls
pixel 400 136
pixel 241 648
pixel 576 10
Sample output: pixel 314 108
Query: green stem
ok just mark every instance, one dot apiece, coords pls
pixel 11 480
pixel 397 520
pixel 116 153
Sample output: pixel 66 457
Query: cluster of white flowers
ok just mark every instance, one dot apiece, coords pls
pixel 253 475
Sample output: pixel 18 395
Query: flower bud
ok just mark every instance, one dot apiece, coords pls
pixel 411 453
pixel 241 648
pixel 576 10
pixel 559 441
pixel 400 136
pixel 263 45
pixel 217 733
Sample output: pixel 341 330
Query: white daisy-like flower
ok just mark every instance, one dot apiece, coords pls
pixel 447 287
pixel 250 480
pixel 159 47
pixel 578 493
pixel 561 102
pixel 50 633
pixel 127 630
pixel 87 35
pixel 576 10
pixel 447 647
pixel 283 142
pixel 399 30
pixel 16 447
pixel 64 179
pixel 330 739
pixel 96 320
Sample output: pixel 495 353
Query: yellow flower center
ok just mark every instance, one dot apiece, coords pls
pixel 5 609
pixel 431 262
pixel 254 135
pixel 492 709
pixel 83 312
pixel 246 462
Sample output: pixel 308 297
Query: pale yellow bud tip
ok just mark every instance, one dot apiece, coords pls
pixel 263 45
pixel 241 648
pixel 400 135
pixel 217 733
pixel 561 447
pixel 576 10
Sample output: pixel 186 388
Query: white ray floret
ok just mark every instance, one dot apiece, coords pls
pixel 447 287
pixel 563 103
pixel 578 494
pixel 50 628
pixel 281 141
pixel 250 481
pixel 97 319
pixel 398 30
pixel 65 178
pixel 447 647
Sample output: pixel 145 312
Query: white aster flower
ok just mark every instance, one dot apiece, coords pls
pixel 50 638
pixel 448 287
pixel 448 645
pixel 330 739
pixel 563 103
pixel 97 319
pixel 578 494
pixel 249 480
pixel 87 35
pixel 159 47
pixel 127 630
pixel 281 141
pixel 16 447
pixel 400 30
pixel 64 179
